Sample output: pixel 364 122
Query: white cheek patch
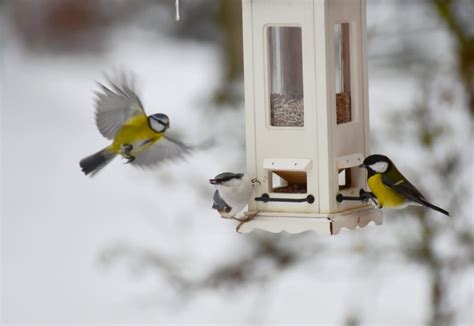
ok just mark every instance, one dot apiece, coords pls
pixel 156 126
pixel 379 167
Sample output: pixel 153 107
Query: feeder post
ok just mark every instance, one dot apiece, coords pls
pixel 250 129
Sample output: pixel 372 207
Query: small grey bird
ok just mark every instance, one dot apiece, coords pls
pixel 233 191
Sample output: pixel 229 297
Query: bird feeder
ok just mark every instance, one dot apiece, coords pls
pixel 307 118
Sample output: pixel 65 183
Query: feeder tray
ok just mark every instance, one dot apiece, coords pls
pixel 296 181
pixel 324 224
pixel 291 189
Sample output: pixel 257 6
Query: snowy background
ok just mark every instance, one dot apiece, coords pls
pixel 136 246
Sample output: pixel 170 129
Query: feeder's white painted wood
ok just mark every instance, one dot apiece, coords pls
pixel 324 224
pixel 321 147
pixel 278 164
pixel 349 161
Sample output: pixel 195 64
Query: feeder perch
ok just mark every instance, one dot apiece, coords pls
pixel 307 119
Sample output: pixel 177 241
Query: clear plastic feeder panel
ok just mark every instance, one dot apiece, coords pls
pixel 343 73
pixel 286 76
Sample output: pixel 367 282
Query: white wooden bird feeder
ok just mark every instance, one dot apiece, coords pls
pixel 307 119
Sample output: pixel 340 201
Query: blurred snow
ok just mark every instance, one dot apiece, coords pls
pixel 56 223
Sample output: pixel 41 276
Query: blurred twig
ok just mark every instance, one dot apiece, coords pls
pixel 229 22
pixel 464 41
pixel 245 269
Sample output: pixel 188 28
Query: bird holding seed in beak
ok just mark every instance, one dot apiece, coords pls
pixel 138 138
pixel 390 188
pixel 233 191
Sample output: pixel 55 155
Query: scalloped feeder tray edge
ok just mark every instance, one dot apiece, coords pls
pixel 323 224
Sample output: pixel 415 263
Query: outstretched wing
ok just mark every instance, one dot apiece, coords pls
pixel 115 105
pixel 165 149
pixel 220 204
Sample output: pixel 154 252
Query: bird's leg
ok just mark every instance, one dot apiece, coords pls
pixel 374 200
pixel 221 213
pixel 367 195
pixel 126 149
pixel 248 217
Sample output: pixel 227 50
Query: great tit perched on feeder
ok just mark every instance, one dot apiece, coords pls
pixel 390 188
pixel 138 138
pixel 233 191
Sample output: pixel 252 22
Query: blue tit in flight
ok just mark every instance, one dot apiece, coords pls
pixel 390 188
pixel 138 138
pixel 233 192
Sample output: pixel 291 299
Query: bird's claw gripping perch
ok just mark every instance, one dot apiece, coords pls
pixel 248 217
pixel 367 195
pixel 364 196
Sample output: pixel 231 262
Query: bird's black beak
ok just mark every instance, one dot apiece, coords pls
pixel 214 181
pixel 362 165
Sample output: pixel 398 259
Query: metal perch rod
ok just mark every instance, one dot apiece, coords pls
pixel 363 196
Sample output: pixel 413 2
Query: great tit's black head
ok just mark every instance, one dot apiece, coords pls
pixel 377 163
pixel 159 122
pixel 223 178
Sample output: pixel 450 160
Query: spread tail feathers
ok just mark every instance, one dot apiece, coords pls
pixel 436 208
pixel 94 163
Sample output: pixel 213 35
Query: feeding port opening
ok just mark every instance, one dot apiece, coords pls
pixel 293 182
pixel 344 179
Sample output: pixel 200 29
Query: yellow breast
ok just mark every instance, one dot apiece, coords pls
pixel 385 195
pixel 134 132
